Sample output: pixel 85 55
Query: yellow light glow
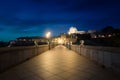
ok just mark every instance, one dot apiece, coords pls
pixel 109 35
pixel 60 41
pixel 48 34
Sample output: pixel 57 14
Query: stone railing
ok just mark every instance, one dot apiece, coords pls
pixel 108 57
pixel 14 55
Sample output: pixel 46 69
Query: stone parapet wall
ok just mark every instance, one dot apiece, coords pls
pixel 14 55
pixel 105 56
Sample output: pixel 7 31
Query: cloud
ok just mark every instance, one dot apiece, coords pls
pixel 33 17
pixel 27 13
pixel 1 29
pixel 55 12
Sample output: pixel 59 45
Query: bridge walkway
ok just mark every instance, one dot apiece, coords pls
pixel 59 63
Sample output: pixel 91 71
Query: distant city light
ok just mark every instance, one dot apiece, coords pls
pixel 60 41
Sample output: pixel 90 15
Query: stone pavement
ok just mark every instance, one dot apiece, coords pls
pixel 58 64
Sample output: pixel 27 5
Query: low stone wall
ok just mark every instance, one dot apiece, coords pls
pixel 14 55
pixel 106 56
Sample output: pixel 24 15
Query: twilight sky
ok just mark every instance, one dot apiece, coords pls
pixel 35 17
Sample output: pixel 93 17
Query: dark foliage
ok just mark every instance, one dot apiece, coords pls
pixel 108 29
pixel 3 44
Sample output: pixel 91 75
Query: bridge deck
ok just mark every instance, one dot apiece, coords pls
pixel 58 64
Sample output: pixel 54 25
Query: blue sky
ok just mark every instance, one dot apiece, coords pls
pixel 35 17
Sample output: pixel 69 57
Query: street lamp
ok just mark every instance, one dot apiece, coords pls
pixel 48 34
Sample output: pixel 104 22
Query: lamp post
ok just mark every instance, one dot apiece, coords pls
pixel 48 34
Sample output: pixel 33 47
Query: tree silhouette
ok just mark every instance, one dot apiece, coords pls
pixel 108 30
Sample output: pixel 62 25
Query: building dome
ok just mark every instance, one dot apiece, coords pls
pixel 72 30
